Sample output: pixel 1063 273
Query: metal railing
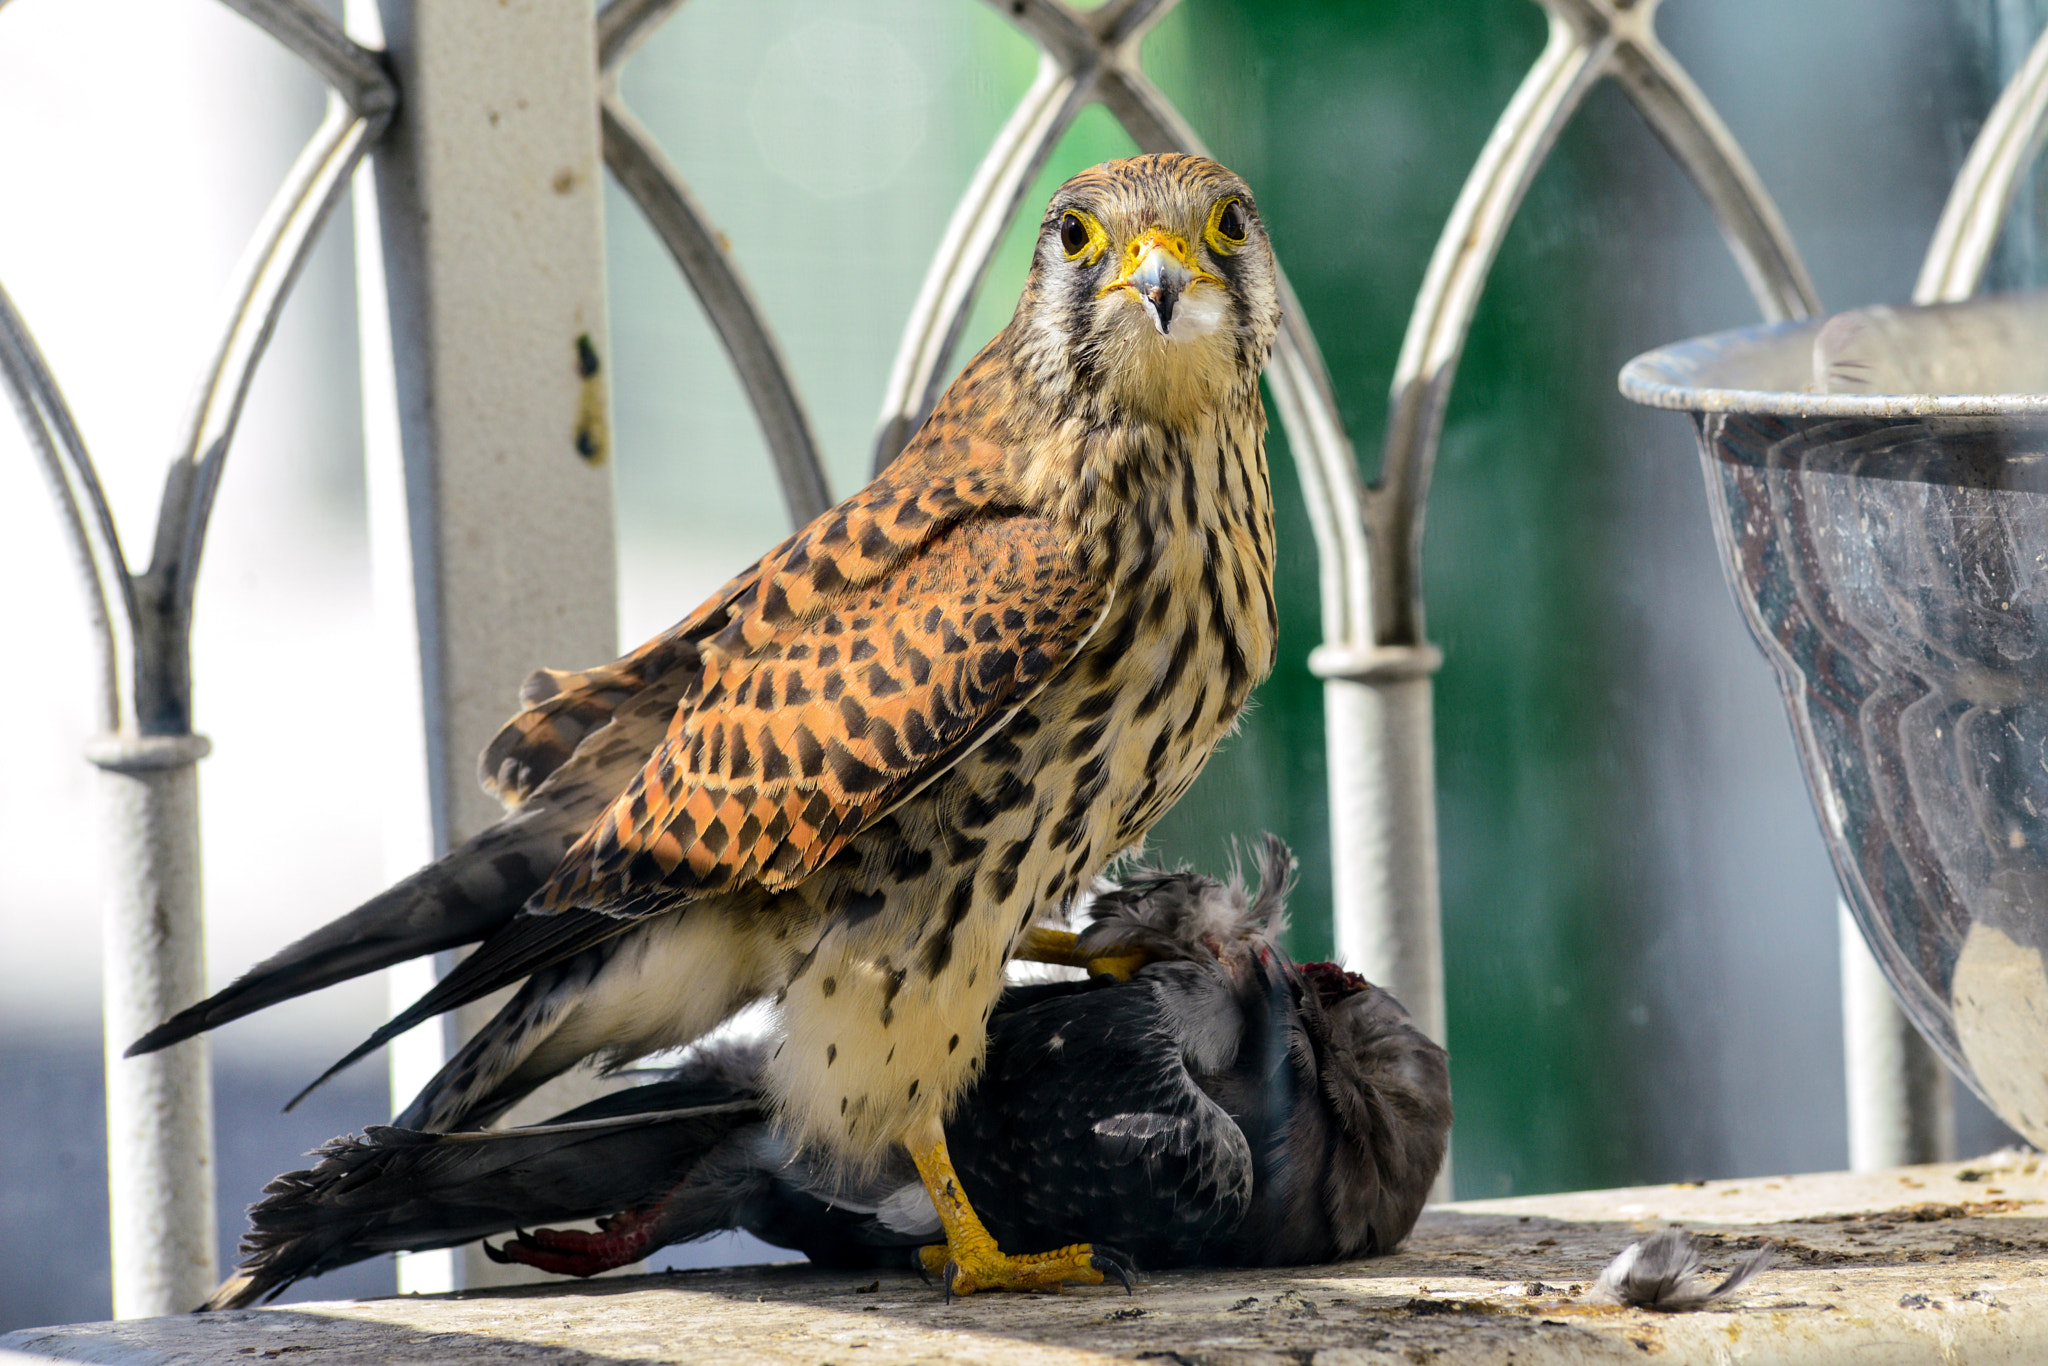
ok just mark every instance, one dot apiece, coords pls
pixel 1375 659
pixel 160 1108
pixel 1378 670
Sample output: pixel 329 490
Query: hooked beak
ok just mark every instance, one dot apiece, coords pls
pixel 1158 271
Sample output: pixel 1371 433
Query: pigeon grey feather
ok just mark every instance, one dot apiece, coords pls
pixel 1663 1273
pixel 1222 1107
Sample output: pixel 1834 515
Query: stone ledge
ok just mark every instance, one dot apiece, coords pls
pixel 1942 1263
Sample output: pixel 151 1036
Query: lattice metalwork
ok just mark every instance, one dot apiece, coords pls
pixel 1375 659
pixel 1983 193
pixel 142 621
pixel 160 1108
pixel 684 228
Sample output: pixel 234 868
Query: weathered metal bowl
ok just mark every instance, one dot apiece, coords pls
pixel 1879 486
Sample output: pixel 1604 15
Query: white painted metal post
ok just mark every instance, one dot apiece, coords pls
pixel 1378 694
pixel 160 1171
pixel 1384 864
pixel 1383 845
pixel 405 793
pixel 1901 1099
pixel 495 496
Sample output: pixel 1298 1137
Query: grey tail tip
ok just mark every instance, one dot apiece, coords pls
pixel 310 1087
pixel 172 1031
pixel 362 1051
pixel 238 1291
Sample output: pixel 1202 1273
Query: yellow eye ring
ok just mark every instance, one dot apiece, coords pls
pixel 1082 237
pixel 1226 230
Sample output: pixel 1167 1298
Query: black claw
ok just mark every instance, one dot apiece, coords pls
pixel 1111 1262
pixel 952 1272
pixel 496 1254
pixel 917 1262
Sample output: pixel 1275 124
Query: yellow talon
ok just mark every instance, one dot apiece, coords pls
pixel 999 1271
pixel 1119 966
pixel 1041 945
pixel 969 1260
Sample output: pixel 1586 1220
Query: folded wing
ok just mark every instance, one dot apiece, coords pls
pixel 865 659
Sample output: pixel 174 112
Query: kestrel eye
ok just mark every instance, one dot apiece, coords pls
pixel 1073 234
pixel 1231 222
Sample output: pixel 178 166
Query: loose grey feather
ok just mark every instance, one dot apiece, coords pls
pixel 1663 1273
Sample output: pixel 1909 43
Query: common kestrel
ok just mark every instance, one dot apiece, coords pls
pixel 848 781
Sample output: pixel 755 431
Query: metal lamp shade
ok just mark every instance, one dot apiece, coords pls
pixel 1879 490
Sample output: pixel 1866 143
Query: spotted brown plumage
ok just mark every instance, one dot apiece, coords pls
pixel 845 782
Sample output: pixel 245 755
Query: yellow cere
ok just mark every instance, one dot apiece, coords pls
pixel 1219 243
pixel 1172 243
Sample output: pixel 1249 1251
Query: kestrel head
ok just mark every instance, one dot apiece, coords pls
pixel 1154 283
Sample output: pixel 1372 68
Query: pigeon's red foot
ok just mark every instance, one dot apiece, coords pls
pixel 620 1240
